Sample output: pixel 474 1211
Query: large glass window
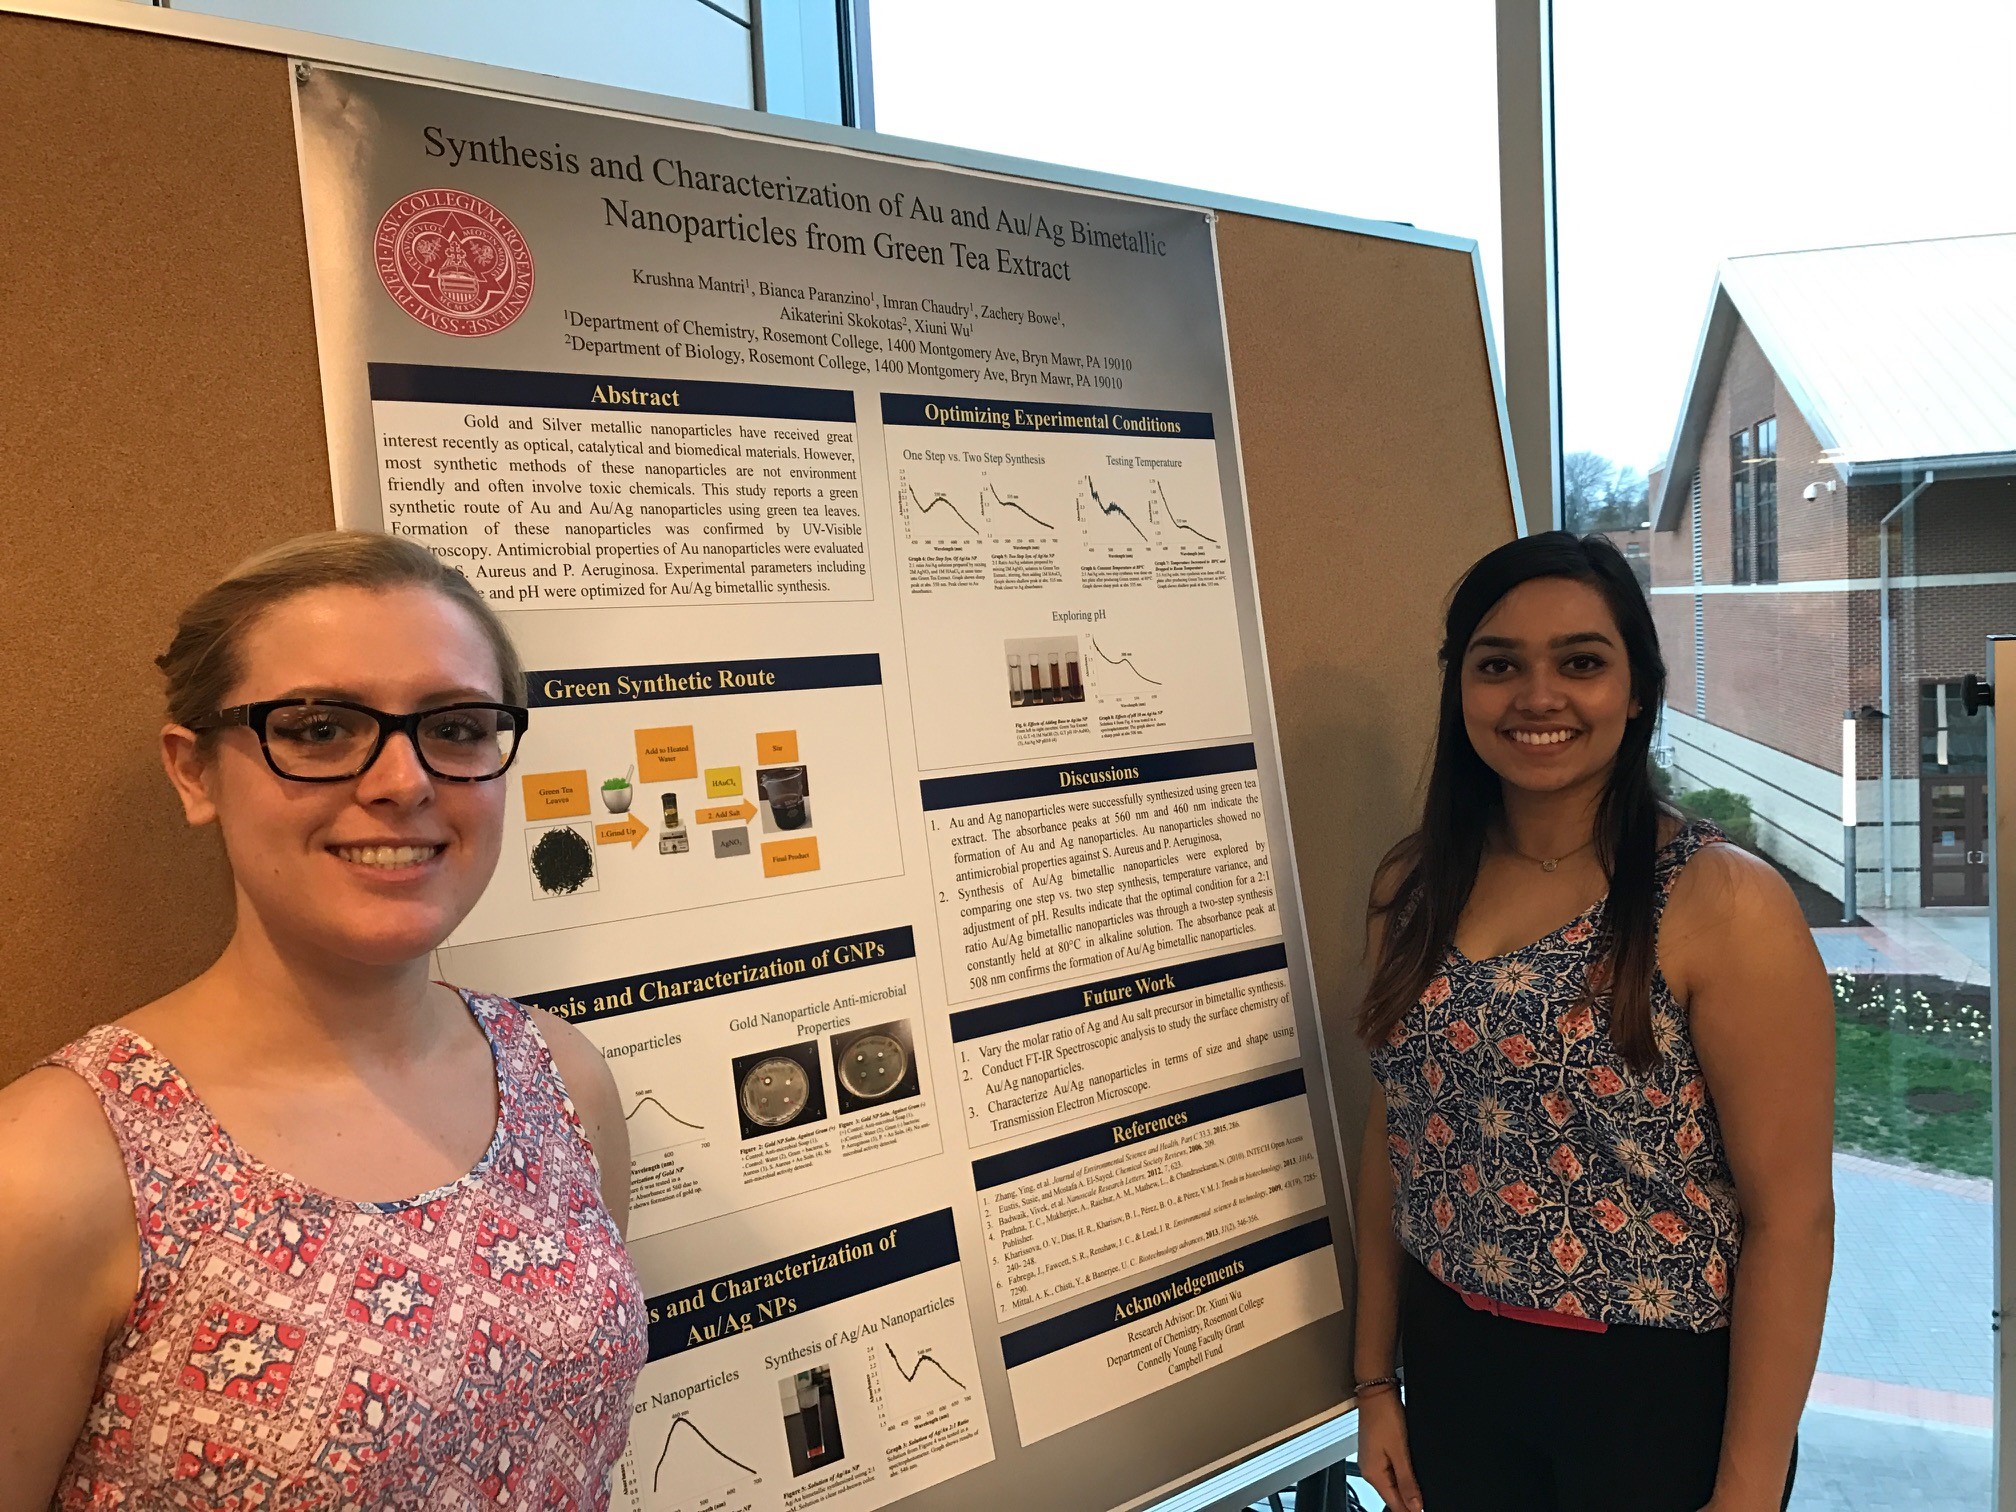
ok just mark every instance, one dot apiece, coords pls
pixel 1387 112
pixel 1817 283
pixel 1764 502
pixel 699 49
pixel 1742 512
pixel 1753 504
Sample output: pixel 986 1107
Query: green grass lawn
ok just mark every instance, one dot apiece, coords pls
pixel 1889 1084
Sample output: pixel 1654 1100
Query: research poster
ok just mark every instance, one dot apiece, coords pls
pixel 899 812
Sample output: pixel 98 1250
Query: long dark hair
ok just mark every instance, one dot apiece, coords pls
pixel 1426 879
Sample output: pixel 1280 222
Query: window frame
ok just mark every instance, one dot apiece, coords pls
pixel 1742 511
pixel 1764 500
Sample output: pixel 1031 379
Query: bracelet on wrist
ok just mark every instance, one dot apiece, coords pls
pixel 1375 1385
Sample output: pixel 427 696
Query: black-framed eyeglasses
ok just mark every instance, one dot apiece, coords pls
pixel 332 740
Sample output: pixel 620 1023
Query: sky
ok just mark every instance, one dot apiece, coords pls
pixel 1685 133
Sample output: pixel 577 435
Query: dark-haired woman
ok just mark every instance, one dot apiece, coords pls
pixel 1596 1219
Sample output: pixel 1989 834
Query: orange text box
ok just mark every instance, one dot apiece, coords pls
pixel 775 746
pixel 556 795
pixel 666 754
pixel 629 828
pixel 724 782
pixel 784 858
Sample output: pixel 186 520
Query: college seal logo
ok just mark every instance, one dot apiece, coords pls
pixel 454 262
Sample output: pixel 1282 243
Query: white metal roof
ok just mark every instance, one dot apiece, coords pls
pixel 1899 354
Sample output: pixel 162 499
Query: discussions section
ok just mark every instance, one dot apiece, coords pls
pixel 1043 871
pixel 1071 1213
pixel 842 1376
pixel 1068 1369
pixel 1030 1063
pixel 759 1077
pixel 649 788
pixel 572 491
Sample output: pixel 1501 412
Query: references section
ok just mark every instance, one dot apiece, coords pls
pixel 1083 1209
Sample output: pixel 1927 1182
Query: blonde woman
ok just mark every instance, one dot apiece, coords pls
pixel 313 1230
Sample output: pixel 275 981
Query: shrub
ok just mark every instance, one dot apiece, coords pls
pixel 1729 812
pixel 1662 779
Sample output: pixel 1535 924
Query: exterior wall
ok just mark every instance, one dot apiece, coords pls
pixel 1779 670
pixel 1797 804
pixel 1673 616
pixel 1672 551
pixel 1783 664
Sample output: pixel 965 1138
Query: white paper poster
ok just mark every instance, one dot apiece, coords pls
pixel 898 813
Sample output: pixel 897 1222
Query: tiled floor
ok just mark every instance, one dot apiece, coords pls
pixel 1939 942
pixel 1863 1462
pixel 1913 1279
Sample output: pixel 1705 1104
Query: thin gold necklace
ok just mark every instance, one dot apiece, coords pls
pixel 1547 865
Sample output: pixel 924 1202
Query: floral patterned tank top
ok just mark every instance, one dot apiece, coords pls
pixel 1532 1165
pixel 472 1347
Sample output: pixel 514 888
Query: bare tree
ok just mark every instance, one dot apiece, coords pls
pixel 1600 495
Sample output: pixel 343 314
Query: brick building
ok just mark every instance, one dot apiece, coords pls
pixel 1839 397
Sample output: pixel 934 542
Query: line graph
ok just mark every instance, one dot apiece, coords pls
pixel 1009 503
pixel 644 1097
pixel 1108 509
pixel 923 1359
pixel 907 500
pixel 721 1455
pixel 1155 486
pixel 655 1130
pixel 1124 659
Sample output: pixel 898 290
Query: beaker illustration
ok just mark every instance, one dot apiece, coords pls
pixel 785 788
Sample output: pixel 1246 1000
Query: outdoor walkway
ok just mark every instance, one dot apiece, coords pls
pixel 1939 942
pixel 1902 1408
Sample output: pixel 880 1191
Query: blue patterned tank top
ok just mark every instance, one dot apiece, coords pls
pixel 1532 1165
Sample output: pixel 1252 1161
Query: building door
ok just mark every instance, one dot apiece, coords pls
pixel 1953 821
pixel 1952 800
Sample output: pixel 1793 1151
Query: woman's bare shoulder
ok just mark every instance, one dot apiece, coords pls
pixel 581 1066
pixel 60 1164
pixel 1726 902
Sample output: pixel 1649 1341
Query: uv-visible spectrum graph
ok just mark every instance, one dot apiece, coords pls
pixel 992 496
pixel 916 512
pixel 1106 508
pixel 908 1381
pixel 690 1464
pixel 923 1359
pixel 968 513
pixel 1124 661
pixel 654 1126
pixel 1159 501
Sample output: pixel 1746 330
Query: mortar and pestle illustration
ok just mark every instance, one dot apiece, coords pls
pixel 617 793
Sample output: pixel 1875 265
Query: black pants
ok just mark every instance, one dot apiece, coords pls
pixel 1504 1416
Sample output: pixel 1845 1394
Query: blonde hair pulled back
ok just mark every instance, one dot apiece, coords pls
pixel 203 663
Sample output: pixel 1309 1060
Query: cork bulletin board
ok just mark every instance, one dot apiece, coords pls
pixel 164 418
